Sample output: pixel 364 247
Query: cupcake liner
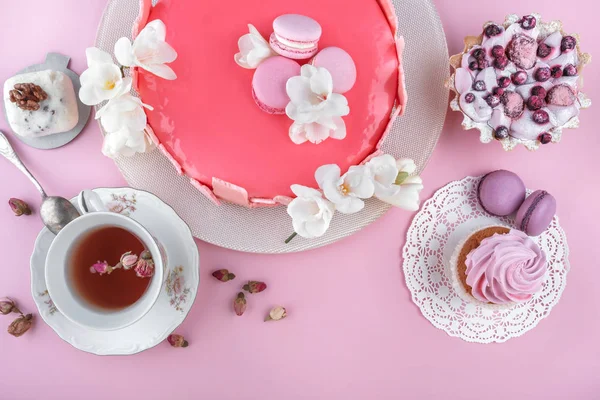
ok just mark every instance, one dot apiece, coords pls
pixel 486 131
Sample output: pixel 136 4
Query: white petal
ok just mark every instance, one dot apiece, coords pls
pixel 339 132
pixel 161 70
pixel 297 133
pixel 407 198
pixel 351 206
pixel 327 173
pixel 96 56
pixel 406 165
pixel 308 71
pixel 359 180
pixel 316 133
pixel 160 30
pixel 321 82
pixel 124 52
pixel 298 89
pixel 304 191
pixel 89 96
pixel 317 228
pixel 337 105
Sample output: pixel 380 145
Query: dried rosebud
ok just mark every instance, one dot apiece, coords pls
pixel 239 304
pixel 8 306
pixel 223 275
pixel 146 255
pixel 101 267
pixel 144 268
pixel 128 260
pixel 276 314
pixel 255 287
pixel 176 340
pixel 20 325
pixel 19 207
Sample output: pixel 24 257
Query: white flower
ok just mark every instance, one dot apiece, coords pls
pixel 254 49
pixel 311 213
pixel 102 80
pixel 149 51
pixel 312 103
pixel 346 191
pixel 404 190
pixel 124 112
pixel 125 142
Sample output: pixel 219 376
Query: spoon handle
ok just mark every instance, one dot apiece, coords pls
pixel 9 153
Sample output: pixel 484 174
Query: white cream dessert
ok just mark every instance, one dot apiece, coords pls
pixel 40 103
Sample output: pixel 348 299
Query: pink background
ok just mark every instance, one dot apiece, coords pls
pixel 353 332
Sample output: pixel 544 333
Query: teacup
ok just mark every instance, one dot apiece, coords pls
pixel 59 280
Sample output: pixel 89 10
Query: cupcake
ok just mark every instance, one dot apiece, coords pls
pixel 520 82
pixel 498 266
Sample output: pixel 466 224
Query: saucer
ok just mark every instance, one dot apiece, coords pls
pixel 177 294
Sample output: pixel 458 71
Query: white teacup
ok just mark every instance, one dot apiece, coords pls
pixel 58 280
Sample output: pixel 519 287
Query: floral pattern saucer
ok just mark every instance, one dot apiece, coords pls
pixel 177 294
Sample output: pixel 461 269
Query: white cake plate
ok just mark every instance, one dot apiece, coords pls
pixel 264 230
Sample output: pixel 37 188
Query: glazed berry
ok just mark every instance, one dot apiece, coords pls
pixel 501 62
pixel 492 100
pixel 545 138
pixel 570 70
pixel 538 91
pixel 483 64
pixel 498 51
pixel 556 71
pixel 479 86
pixel 479 54
pixel 519 78
pixel 541 117
pixel 469 97
pixel 498 91
pixel 504 82
pixel 534 103
pixel 528 22
pixel 544 50
pixel 473 65
pixel 542 74
pixel 568 43
pixel 492 30
pixel 500 133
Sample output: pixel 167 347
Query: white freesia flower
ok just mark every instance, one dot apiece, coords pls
pixel 346 191
pixel 102 80
pixel 124 112
pixel 311 213
pixel 404 190
pixel 314 108
pixel 254 49
pixel 125 142
pixel 148 51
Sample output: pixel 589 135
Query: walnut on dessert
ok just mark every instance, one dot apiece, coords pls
pixel 28 96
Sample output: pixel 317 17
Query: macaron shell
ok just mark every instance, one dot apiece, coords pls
pixel 269 81
pixel 340 65
pixel 289 52
pixel 536 213
pixel 501 192
pixel 299 28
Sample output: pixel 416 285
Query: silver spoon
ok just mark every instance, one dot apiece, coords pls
pixel 56 212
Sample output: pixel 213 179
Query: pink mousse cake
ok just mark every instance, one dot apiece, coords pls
pixel 207 123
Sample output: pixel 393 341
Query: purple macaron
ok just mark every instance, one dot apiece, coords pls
pixel 340 65
pixel 501 192
pixel 536 213
pixel 268 84
pixel 295 36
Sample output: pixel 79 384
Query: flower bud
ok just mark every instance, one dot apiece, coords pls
pixel 20 325
pixel 128 260
pixel 239 304
pixel 7 306
pixel 176 340
pixel 255 287
pixel 19 207
pixel 101 267
pixel 276 314
pixel 223 275
pixel 146 255
pixel 144 268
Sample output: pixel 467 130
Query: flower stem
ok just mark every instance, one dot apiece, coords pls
pixel 292 236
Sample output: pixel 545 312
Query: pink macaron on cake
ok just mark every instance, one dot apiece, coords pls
pixel 295 36
pixel 269 84
pixel 520 82
pixel 536 213
pixel 340 65
pixel 501 193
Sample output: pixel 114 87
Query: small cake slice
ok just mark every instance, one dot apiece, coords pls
pixel 40 103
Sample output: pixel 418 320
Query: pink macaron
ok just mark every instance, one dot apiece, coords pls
pixel 295 36
pixel 501 192
pixel 536 213
pixel 340 65
pixel 268 84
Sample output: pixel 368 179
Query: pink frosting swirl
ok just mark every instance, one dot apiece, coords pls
pixel 506 268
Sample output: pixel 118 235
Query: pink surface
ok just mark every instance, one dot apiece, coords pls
pixel 223 131
pixel 352 332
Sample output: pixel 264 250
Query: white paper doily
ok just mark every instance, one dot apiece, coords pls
pixel 265 230
pixel 444 220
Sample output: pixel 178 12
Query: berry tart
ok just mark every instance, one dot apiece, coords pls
pixel 520 82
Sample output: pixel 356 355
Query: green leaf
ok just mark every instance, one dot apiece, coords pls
pixel 401 177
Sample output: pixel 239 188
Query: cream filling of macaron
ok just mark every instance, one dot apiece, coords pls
pixel 296 45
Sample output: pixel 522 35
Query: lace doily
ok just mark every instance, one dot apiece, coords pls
pixel 444 220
